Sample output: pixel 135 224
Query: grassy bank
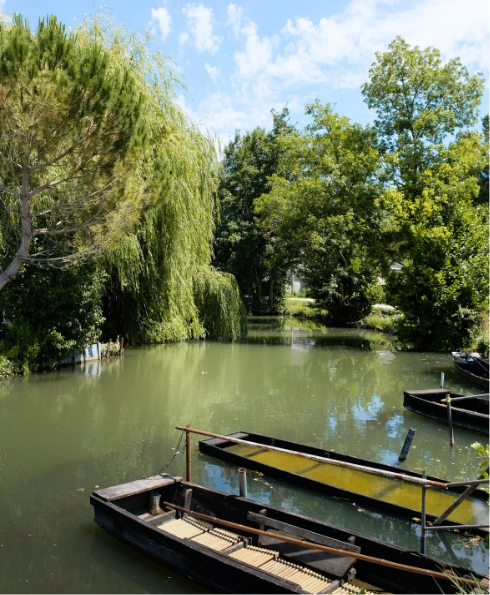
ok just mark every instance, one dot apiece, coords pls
pixel 381 318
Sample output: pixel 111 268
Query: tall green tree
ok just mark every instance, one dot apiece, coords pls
pixel 240 244
pixel 323 214
pixel 160 284
pixel 69 128
pixel 425 110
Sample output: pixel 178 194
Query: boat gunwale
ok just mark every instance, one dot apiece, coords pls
pixel 460 367
pixel 190 545
pixel 466 418
pixel 454 407
pixel 240 505
pixel 212 447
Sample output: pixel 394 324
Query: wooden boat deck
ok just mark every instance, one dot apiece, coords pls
pixel 263 546
pixel 267 560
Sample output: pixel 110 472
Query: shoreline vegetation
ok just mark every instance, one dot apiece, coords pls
pixel 119 219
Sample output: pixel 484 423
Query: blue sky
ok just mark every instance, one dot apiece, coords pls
pixel 240 59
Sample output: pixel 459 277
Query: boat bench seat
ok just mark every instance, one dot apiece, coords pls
pixel 265 559
pixel 332 564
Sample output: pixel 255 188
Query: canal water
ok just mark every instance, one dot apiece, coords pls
pixel 64 433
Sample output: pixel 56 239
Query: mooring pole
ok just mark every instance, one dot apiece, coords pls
pixel 407 444
pixel 423 519
pixel 450 421
pixel 442 379
pixel 242 482
pixel 188 457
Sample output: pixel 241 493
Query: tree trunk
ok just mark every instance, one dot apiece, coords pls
pixel 22 253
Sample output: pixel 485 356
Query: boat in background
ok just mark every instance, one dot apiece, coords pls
pixel 472 366
pixel 373 484
pixel 469 413
pixel 235 545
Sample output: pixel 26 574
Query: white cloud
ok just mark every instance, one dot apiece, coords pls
pixel 309 58
pixel 200 24
pixel 163 18
pixel 213 71
pixel 344 45
pixel 257 54
pixel 235 18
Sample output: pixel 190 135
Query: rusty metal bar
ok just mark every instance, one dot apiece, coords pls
pixel 188 454
pixel 428 482
pixel 448 575
pixel 476 483
pixel 453 527
pixel 464 398
pixel 472 485
pixel 423 516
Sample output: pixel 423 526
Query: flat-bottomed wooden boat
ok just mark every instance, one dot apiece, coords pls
pixel 266 550
pixel 364 486
pixel 472 414
pixel 473 367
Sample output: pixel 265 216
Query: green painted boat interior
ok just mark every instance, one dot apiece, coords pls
pixel 384 489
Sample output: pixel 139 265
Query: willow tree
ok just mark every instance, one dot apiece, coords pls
pixel 160 284
pixel 69 127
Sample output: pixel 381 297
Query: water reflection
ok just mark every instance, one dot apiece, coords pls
pixel 304 334
pixel 64 432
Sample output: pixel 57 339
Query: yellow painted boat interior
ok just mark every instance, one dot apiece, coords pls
pixel 393 491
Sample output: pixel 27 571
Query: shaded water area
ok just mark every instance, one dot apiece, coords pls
pixel 64 433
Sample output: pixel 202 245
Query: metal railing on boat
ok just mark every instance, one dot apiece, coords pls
pixel 423 481
pixel 448 575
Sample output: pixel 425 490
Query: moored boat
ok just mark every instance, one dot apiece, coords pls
pixel 469 413
pixel 236 545
pixel 473 367
pixel 373 484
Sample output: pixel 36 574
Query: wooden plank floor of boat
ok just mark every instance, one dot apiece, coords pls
pixel 266 560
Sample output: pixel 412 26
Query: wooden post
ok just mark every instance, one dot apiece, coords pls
pixel 423 519
pixel 188 457
pixel 407 444
pixel 450 421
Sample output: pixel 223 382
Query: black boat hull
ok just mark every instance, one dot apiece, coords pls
pixel 117 516
pixel 469 414
pixel 217 448
pixel 472 367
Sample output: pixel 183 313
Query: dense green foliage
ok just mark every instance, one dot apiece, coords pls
pixel 51 314
pixel 424 111
pixel 98 161
pixel 69 128
pixel 322 216
pixel 342 202
pixel 125 149
pixel 218 305
pixel 241 247
pixel 156 269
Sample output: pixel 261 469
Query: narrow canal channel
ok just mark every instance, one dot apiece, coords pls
pixel 64 433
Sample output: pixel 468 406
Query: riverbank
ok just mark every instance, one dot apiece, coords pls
pixel 381 318
pixel 10 367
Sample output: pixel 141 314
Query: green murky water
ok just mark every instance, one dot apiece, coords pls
pixel 63 433
pixel 383 489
